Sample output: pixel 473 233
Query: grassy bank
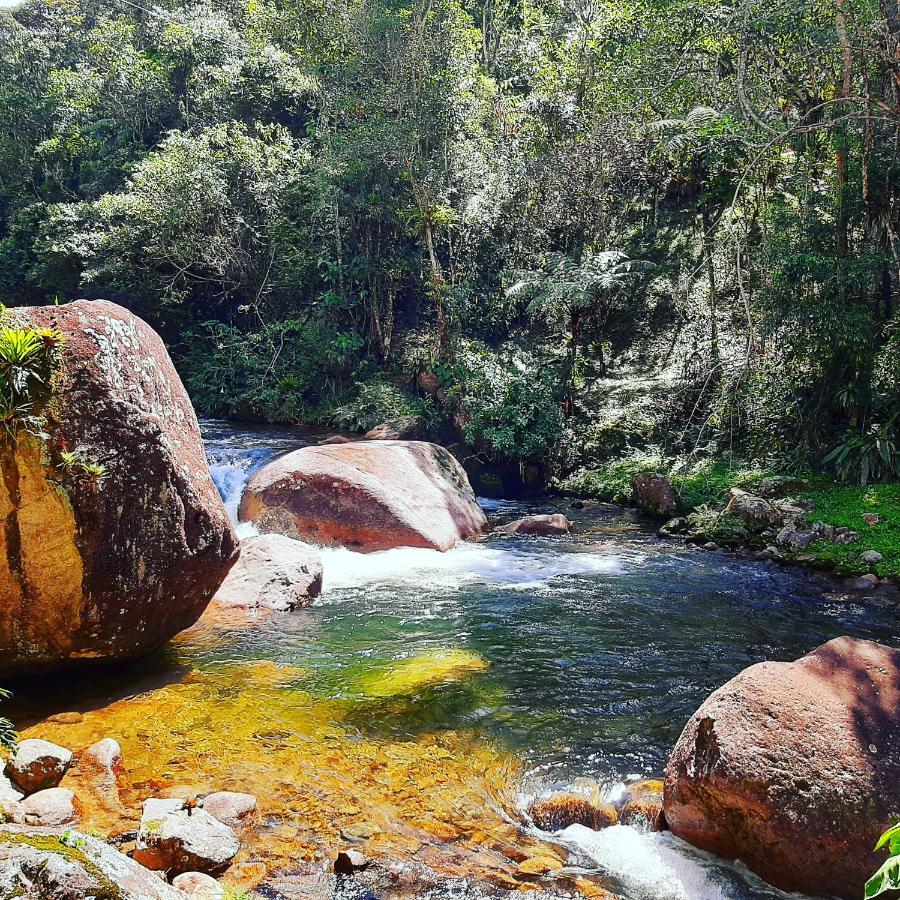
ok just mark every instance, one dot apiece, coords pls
pixel 707 482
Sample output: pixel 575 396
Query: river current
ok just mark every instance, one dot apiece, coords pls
pixel 598 647
pixel 424 699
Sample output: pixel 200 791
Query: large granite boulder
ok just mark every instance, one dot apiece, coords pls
pixel 115 538
pixel 61 864
pixel 794 768
pixel 367 496
pixel 274 572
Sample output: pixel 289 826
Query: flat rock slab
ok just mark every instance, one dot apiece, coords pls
pixel 41 863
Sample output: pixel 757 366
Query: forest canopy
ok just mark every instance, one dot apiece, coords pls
pixel 562 230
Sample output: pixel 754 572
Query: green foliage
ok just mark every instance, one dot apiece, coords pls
pixel 374 402
pixel 507 403
pixel 28 357
pixel 887 878
pixel 8 734
pixel 873 456
pixel 847 506
pixel 294 370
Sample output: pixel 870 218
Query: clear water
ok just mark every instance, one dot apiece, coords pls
pixel 599 647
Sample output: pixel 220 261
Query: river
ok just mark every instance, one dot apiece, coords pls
pixel 488 675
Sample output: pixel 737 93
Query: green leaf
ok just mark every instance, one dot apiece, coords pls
pixel 890 837
pixel 887 878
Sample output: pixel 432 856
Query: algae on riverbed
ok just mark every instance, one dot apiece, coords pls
pixel 445 800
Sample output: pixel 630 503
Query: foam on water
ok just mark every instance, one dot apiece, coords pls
pixel 468 563
pixel 659 866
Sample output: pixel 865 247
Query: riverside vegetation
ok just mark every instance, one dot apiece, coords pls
pixel 565 232
pixel 574 241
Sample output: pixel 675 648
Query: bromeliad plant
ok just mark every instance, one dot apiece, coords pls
pixel 28 358
pixel 887 878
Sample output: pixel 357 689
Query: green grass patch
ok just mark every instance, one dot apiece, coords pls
pixel 844 506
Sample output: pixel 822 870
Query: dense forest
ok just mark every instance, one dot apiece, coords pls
pixel 566 232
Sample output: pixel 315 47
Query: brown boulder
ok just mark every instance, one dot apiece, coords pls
pixel 115 536
pixel 367 496
pixel 37 764
pixel 273 572
pixel 655 495
pixel 540 525
pixel 794 768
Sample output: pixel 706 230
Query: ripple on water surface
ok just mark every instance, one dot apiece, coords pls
pixel 427 696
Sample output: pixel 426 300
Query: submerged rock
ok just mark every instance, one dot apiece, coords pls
pixel 656 496
pixel 116 537
pixel 794 768
pixel 199 886
pixel 175 839
pixel 538 525
pixel 273 572
pixel 231 807
pixel 367 496
pixel 424 670
pixel 43 863
pixel 38 764
pixel 562 810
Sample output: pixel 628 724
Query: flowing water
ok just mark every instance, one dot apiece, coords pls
pixel 531 663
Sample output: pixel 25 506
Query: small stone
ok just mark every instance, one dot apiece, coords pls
pixel 710 545
pixel 175 839
pixel 871 557
pixel 539 865
pixel 50 807
pixel 865 583
pixel 871 519
pixel 230 807
pixel 105 755
pixel 38 764
pixel 199 886
pixel 538 525
pixel 846 536
pixel 349 861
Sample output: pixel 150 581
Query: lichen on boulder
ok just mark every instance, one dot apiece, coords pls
pixel 113 536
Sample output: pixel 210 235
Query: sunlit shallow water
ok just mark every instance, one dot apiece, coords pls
pixel 444 691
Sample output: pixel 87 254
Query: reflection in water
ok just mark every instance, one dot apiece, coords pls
pixel 425 697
